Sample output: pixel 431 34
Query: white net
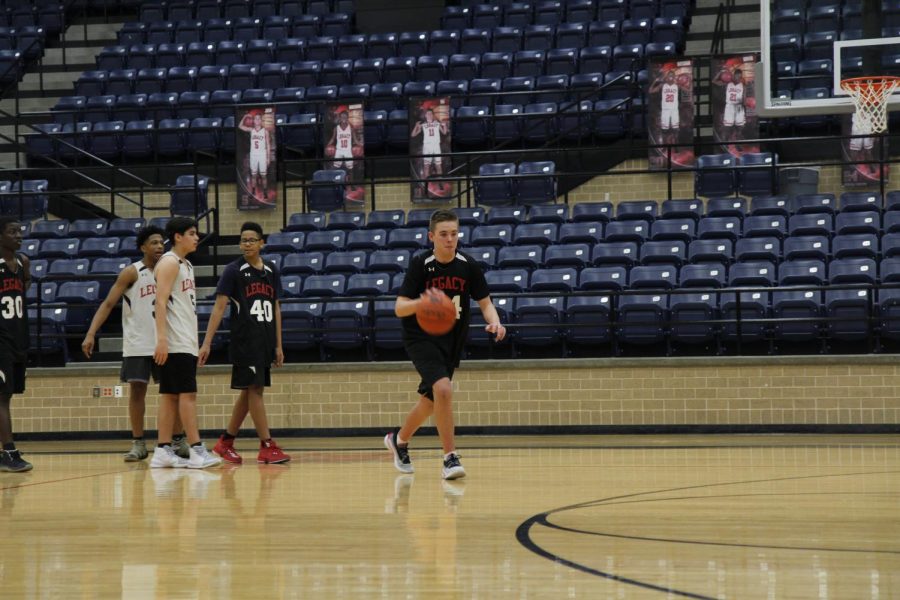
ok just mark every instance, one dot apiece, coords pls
pixel 870 96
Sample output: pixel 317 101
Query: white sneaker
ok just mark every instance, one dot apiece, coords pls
pixel 452 467
pixel 201 458
pixel 164 481
pixel 198 482
pixel 165 457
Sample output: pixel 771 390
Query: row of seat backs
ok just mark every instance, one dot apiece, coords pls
pixel 176 10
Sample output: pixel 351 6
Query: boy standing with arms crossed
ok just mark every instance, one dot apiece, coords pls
pixel 252 287
pixel 443 270
pixel 177 348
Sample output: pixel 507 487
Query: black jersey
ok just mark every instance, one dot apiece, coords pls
pixel 252 293
pixel 461 279
pixel 13 316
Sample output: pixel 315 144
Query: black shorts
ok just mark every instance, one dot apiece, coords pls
pixel 138 369
pixel 12 376
pixel 178 375
pixel 432 364
pixel 247 377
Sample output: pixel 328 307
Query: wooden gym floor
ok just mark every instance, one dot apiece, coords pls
pixel 538 517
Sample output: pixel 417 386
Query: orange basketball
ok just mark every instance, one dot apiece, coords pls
pixel 329 151
pixel 357 151
pixel 725 76
pixel 436 315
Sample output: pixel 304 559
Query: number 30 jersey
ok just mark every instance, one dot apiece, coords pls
pixel 252 294
pixel 13 317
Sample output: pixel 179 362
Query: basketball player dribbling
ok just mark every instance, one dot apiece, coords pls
pixel 669 116
pixel 136 286
pixel 431 131
pixel 177 348
pixel 442 270
pixel 260 156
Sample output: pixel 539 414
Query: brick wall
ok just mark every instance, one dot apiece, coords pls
pixel 804 391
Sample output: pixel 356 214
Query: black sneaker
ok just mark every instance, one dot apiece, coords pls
pixel 400 453
pixel 11 461
pixel 452 469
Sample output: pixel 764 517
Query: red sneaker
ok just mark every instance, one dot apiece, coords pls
pixel 271 454
pixel 225 449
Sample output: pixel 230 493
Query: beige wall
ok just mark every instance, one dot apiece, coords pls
pixel 673 391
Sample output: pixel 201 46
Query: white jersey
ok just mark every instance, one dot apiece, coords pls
pixel 343 142
pixel 259 142
pixel 734 93
pixel 431 138
pixel 181 315
pixel 669 96
pixel 138 326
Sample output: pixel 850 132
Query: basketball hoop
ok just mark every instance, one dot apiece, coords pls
pixel 870 96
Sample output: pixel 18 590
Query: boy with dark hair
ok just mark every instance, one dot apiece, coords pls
pixel 253 287
pixel 15 277
pixel 177 348
pixel 442 270
pixel 136 286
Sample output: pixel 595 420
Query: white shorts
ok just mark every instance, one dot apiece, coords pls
pixel 343 164
pixel 431 160
pixel 259 163
pixel 734 115
pixel 857 144
pixel 669 118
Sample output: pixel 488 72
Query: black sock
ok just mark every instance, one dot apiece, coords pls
pixel 178 436
pixel 227 436
pixel 138 439
pixel 164 444
pixel 197 445
pixel 9 447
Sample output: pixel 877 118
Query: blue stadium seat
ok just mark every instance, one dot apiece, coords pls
pixel 456 17
pixel 306 222
pixel 508 122
pixel 797 314
pixel 770 205
pixel 308 263
pixel 540 320
pixel 726 207
pixel 28 200
pixel 758 248
pixel 345 325
pixel 562 61
pixel 326 194
pixel 645 210
pixel 672 252
pixel 350 261
pixel 715 175
pixel 543 234
pixel 704 275
pixel 59 248
pixel 99 246
pixel 611 277
pixel 137 141
pixel 811 224
pixel 81 299
pixel 68 266
pixel 686 208
pixel 189 196
pixel 518 90
pixel 757 174
pixel 752 274
pixel 285 242
pixel 673 229
pixel 857 222
pixel 389 261
pixel 624 252
pixel 496 66
pixel 863 245
pixel 813 203
pixel 592 211
pixel 300 323
pixel 625 231
pixel 324 285
pixel 507 215
pixel 291 285
pixel 485 256
pixel 326 241
pixel 641 318
pixel 860 201
pixel 410 238
pixel 204 135
pixel 506 39
pixel 584 232
pixel 528 256
pixel 719 227
pixel 121 82
pixel 507 281
pixel 495 185
pixel 537 184
pixel 802 272
pixel 368 284
pixel 347 220
pixel 765 226
pixel 367 239
pixel 577 256
pixel 82 228
pixel 492 235
pixel 125 226
pixel 588 320
pixel 815 247
pixel 475 41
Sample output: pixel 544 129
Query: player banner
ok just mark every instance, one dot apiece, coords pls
pixel 345 148
pixel 255 158
pixel 734 103
pixel 857 151
pixel 670 113
pixel 429 137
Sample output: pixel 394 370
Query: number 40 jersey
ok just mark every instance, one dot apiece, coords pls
pixel 13 318
pixel 252 293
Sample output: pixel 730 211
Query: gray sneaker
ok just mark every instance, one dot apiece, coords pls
pixel 181 446
pixel 201 458
pixel 138 451
pixel 453 469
